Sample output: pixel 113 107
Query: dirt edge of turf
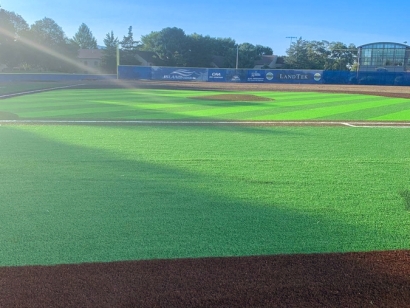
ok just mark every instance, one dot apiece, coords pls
pixel 366 279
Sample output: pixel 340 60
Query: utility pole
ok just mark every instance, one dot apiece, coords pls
pixel 291 38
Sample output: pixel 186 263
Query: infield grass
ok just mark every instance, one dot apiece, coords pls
pixel 140 104
pixel 72 194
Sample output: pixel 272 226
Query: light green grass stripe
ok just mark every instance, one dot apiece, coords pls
pixel 331 110
pixel 403 115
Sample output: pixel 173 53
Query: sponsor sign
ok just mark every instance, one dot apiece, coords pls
pixel 216 75
pixel 169 73
pixel 234 75
pixel 317 77
pixel 269 76
pixel 293 76
pixel 256 76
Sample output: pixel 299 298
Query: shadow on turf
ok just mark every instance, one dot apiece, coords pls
pixel 115 195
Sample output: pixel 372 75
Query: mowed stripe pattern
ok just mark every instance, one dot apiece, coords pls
pixel 142 104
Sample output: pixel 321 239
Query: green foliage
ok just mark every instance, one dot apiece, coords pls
pixel 12 26
pixel 175 48
pixel 341 57
pixel 170 44
pixel 49 48
pixel 129 49
pixel 109 60
pixel 320 55
pixel 84 38
pixel 128 43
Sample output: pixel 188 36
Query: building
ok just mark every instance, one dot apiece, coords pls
pixel 384 57
pixel 90 60
pixel 269 61
pixel 147 58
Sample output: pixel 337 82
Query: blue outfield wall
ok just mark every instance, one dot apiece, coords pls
pixel 227 75
pixel 262 75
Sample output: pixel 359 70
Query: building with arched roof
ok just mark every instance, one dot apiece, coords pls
pixel 384 56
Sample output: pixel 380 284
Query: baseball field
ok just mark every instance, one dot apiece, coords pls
pixel 148 194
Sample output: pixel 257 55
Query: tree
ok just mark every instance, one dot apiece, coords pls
pixel 170 44
pixel 341 57
pixel 320 55
pixel 198 51
pixel 12 26
pixel 128 42
pixel 109 60
pixel 222 46
pixel 49 47
pixel 84 38
pixel 307 55
pixel 129 48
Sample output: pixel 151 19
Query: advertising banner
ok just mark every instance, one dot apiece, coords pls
pixel 256 76
pixel 216 75
pixel 234 75
pixel 294 76
pixel 182 74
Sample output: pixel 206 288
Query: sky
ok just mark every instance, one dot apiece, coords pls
pixel 272 23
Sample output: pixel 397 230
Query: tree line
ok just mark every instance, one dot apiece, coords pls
pixel 44 46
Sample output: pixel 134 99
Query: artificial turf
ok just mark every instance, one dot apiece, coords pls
pixel 143 104
pixel 73 194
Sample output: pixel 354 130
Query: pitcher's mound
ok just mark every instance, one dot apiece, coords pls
pixel 234 98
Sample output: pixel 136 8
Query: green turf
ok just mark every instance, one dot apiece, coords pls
pixel 72 194
pixel 18 87
pixel 140 104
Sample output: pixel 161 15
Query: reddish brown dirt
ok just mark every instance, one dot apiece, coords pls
pixel 371 279
pixel 379 279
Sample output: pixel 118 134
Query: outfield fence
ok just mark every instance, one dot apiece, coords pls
pixel 262 75
pixel 130 72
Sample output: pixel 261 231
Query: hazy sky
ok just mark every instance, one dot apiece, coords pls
pixel 264 22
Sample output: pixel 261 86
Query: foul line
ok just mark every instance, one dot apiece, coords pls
pixel 254 123
pixel 40 90
pixel 378 125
